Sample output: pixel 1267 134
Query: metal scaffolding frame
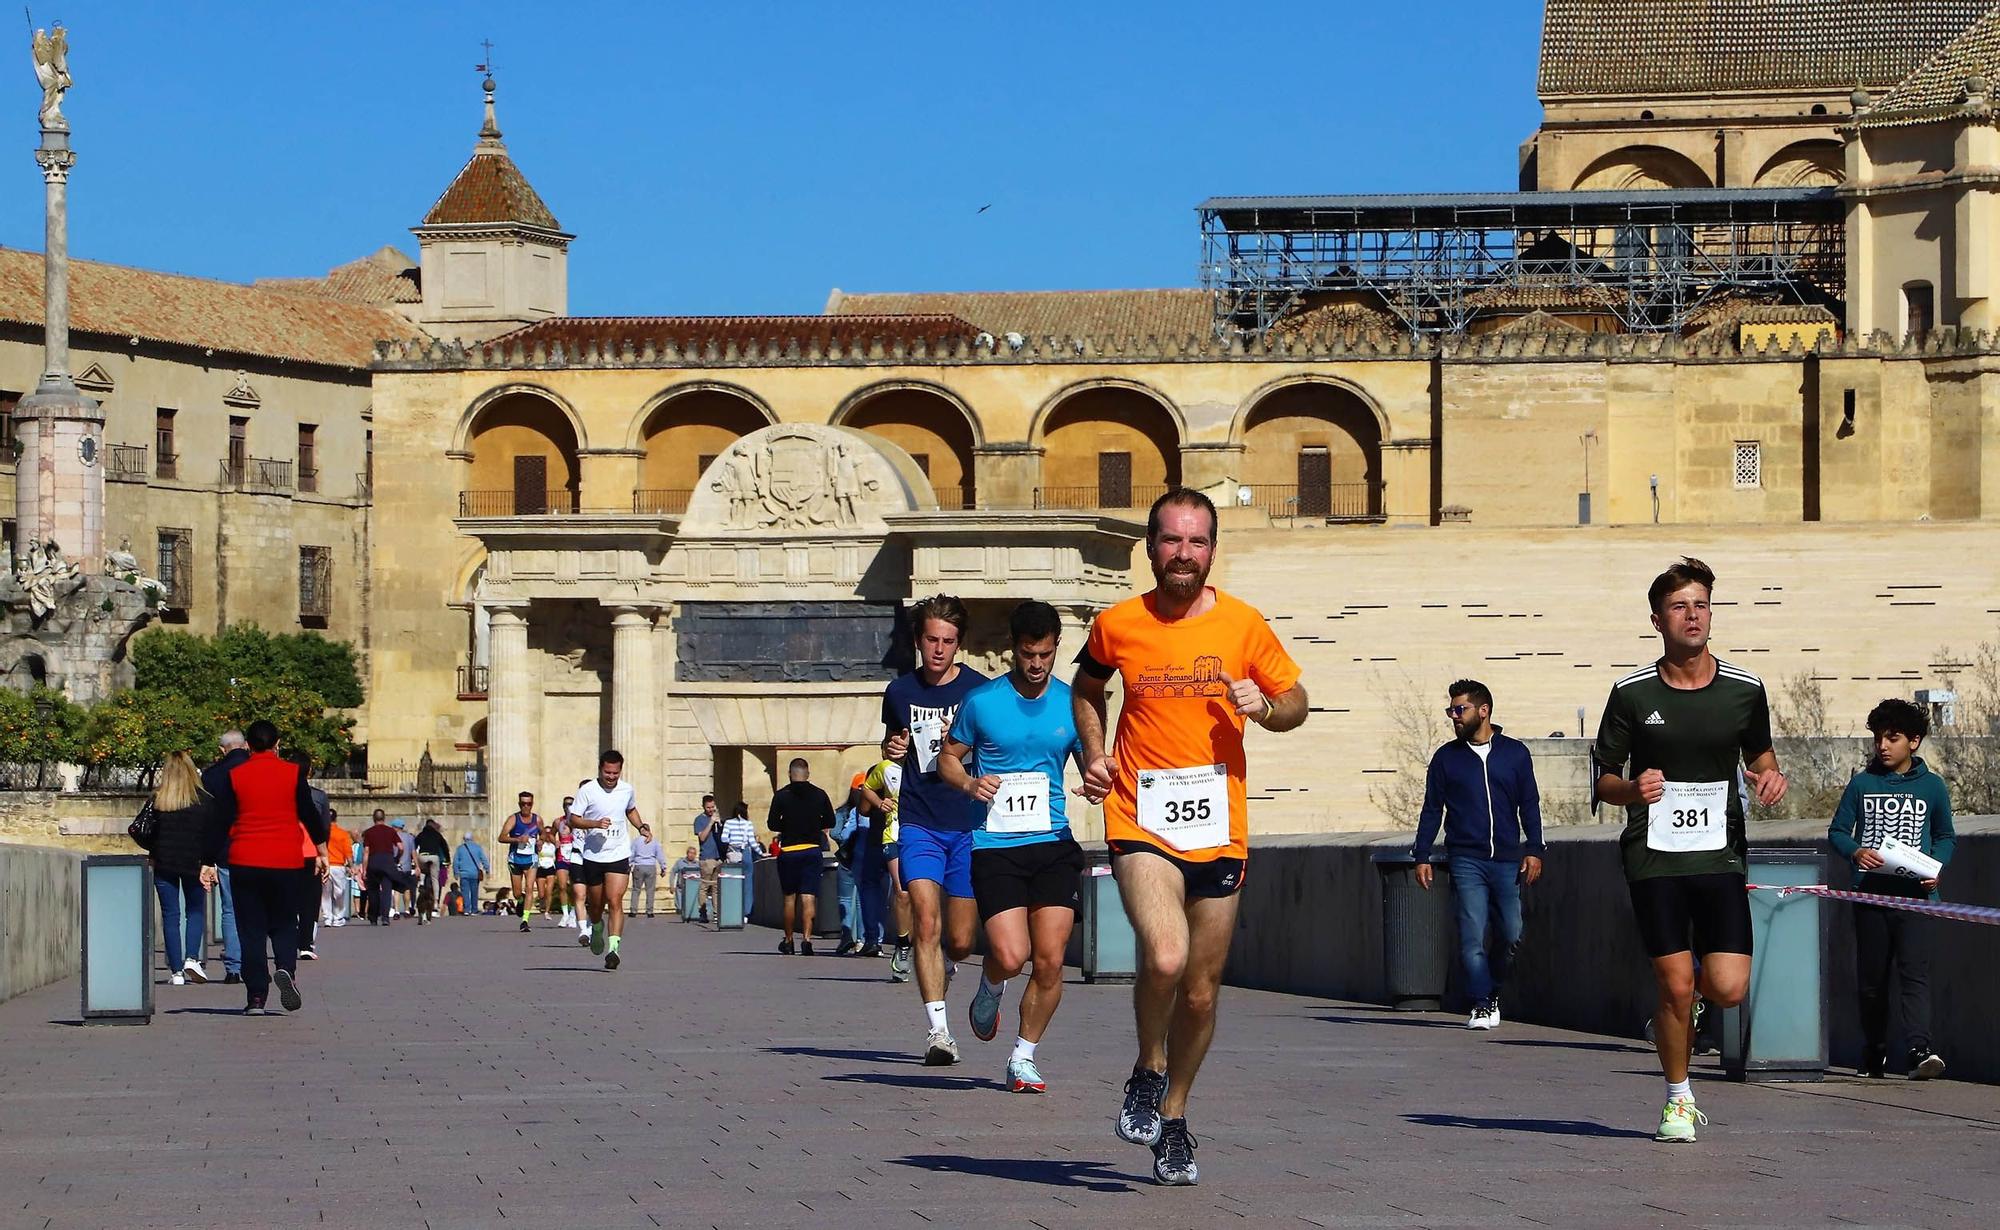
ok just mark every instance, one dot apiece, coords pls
pixel 1651 258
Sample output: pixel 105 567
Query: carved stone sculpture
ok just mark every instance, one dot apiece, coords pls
pixel 125 566
pixel 44 577
pixel 52 71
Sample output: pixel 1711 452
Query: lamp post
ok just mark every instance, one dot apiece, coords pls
pixel 1583 498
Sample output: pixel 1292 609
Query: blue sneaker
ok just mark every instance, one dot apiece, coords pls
pixel 984 1012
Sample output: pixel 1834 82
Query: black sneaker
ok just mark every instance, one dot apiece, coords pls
pixel 1139 1118
pixel 232 979
pixel 1173 1156
pixel 288 990
pixel 1925 1064
pixel 846 946
pixel 871 950
pixel 805 948
pixel 785 947
pixel 524 924
pixel 256 1007
pixel 611 959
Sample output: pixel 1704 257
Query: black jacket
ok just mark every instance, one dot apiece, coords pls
pixel 214 784
pixel 181 837
pixel 430 841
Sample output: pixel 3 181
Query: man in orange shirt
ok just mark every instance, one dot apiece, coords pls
pixel 339 852
pixel 1196 664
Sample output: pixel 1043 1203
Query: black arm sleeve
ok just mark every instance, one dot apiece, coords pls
pixel 221 817
pixel 1091 666
pixel 309 812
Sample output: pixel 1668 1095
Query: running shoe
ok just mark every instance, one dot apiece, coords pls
pixel 611 959
pixel 1926 1064
pixel 844 947
pixel 805 948
pixel 256 1007
pixel 288 990
pixel 939 1049
pixel 871 950
pixel 984 1012
pixel 176 980
pixel 596 939
pixel 785 948
pixel 1024 1077
pixel 524 924
pixel 1678 1120
pixel 1485 1015
pixel 194 971
pixel 1139 1118
pixel 1173 1155
pixel 307 954
pixel 899 964
pixel 583 939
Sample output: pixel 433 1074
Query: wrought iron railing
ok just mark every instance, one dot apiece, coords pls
pixel 1093 496
pixel 672 500
pixel 1332 501
pixel 125 463
pixel 266 474
pixel 512 503
pixel 471 681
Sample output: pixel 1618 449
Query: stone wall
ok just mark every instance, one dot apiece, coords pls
pixel 94 822
pixel 41 916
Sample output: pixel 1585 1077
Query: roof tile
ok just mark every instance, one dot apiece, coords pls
pixel 490 189
pixel 1053 313
pixel 1937 86
pixel 575 333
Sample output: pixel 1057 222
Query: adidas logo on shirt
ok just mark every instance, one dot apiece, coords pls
pixel 1655 719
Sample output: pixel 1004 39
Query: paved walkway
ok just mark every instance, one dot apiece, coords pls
pixel 464 1075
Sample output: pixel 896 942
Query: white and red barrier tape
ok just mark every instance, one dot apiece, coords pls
pixel 1916 905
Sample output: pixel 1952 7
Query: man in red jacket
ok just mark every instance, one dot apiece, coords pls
pixel 258 811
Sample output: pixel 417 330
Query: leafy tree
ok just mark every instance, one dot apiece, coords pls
pixel 202 669
pixel 41 725
pixel 301 716
pixel 140 729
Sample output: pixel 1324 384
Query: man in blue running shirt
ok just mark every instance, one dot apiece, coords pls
pixel 1018 731
pixel 936 822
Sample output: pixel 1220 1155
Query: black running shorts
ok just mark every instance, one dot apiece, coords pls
pixel 591 875
pixel 546 873
pixel 1217 877
pixel 1713 907
pixel 799 872
pixel 1042 873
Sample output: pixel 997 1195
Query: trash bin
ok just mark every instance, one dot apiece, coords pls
pixel 118 912
pixel 1110 951
pixel 1417 927
pixel 826 913
pixel 730 890
pixel 1779 1031
pixel 687 896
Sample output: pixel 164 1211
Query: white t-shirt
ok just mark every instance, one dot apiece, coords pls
pixel 1484 749
pixel 594 802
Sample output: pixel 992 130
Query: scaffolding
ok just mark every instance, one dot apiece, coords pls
pixel 1653 259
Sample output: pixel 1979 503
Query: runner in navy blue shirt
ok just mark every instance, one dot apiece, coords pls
pixel 936 821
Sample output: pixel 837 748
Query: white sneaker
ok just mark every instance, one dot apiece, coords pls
pixel 193 971
pixel 176 980
pixel 1485 1015
pixel 939 1049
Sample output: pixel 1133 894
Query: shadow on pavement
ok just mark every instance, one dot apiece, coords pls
pixel 1409 1022
pixel 1614 1047
pixel 1547 1127
pixel 237 1011
pixel 1090 1176
pixel 827 1052
pixel 940 1083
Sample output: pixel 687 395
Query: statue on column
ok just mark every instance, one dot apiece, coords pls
pixel 52 71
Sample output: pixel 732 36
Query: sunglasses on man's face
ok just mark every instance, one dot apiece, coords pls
pixel 1453 711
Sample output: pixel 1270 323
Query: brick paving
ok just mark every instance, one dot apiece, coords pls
pixel 463 1075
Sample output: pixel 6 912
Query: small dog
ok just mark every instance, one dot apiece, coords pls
pixel 426 900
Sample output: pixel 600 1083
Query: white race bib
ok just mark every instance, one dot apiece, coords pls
pixel 1021 804
pixel 1186 808
pixel 1690 817
pixel 927 738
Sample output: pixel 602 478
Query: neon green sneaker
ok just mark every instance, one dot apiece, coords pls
pixel 1677 1121
pixel 597 939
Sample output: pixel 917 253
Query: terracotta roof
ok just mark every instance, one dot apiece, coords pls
pixel 490 189
pixel 1538 321
pixel 575 333
pixel 1670 47
pixel 1558 295
pixel 381 278
pixel 117 301
pixel 1051 313
pixel 1937 86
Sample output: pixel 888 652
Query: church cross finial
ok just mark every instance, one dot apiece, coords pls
pixel 489 131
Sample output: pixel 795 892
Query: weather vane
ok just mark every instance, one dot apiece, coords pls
pixel 487 66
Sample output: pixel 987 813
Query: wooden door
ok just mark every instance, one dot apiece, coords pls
pixel 1114 480
pixel 1315 483
pixel 531 486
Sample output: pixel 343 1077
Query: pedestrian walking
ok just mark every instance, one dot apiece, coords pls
pixel 469 866
pixel 433 860
pixel 264 801
pixel 314 868
pixel 337 900
pixel 1197 666
pixel 1481 789
pixel 740 846
pixel 176 841
pixel 383 874
pixel 800 815
pixel 230 751
pixel 646 865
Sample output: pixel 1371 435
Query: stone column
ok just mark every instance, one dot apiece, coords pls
pixel 631 678
pixel 510 696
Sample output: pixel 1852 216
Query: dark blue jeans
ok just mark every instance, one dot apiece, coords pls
pixel 871 880
pixel 183 917
pixel 1486 890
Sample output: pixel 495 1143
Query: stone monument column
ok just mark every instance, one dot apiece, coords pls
pixel 631 678
pixel 510 694
pixel 59 488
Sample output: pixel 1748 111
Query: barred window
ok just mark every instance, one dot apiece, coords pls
pixel 315 585
pixel 175 568
pixel 1749 464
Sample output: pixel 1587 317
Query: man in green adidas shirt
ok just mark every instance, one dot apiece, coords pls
pixel 1694 732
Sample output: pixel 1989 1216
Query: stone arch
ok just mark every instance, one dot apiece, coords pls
pixel 511 433
pixel 461 438
pixel 682 430
pixel 1312 447
pixel 1108 443
pixel 929 422
pixel 1804 164
pixel 1642 166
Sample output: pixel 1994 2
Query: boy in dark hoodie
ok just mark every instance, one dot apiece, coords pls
pixel 1898 797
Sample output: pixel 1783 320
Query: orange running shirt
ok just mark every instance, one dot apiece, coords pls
pixel 1175 712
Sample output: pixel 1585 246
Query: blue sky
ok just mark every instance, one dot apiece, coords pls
pixel 746 157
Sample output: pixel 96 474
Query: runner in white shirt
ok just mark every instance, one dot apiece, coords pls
pixel 604 815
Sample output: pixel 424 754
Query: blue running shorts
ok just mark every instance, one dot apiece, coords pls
pixel 942 856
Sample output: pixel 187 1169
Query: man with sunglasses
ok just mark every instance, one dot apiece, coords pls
pixel 1481 788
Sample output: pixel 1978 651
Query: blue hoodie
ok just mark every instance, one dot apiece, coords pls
pixel 1489 805
pixel 1913 807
